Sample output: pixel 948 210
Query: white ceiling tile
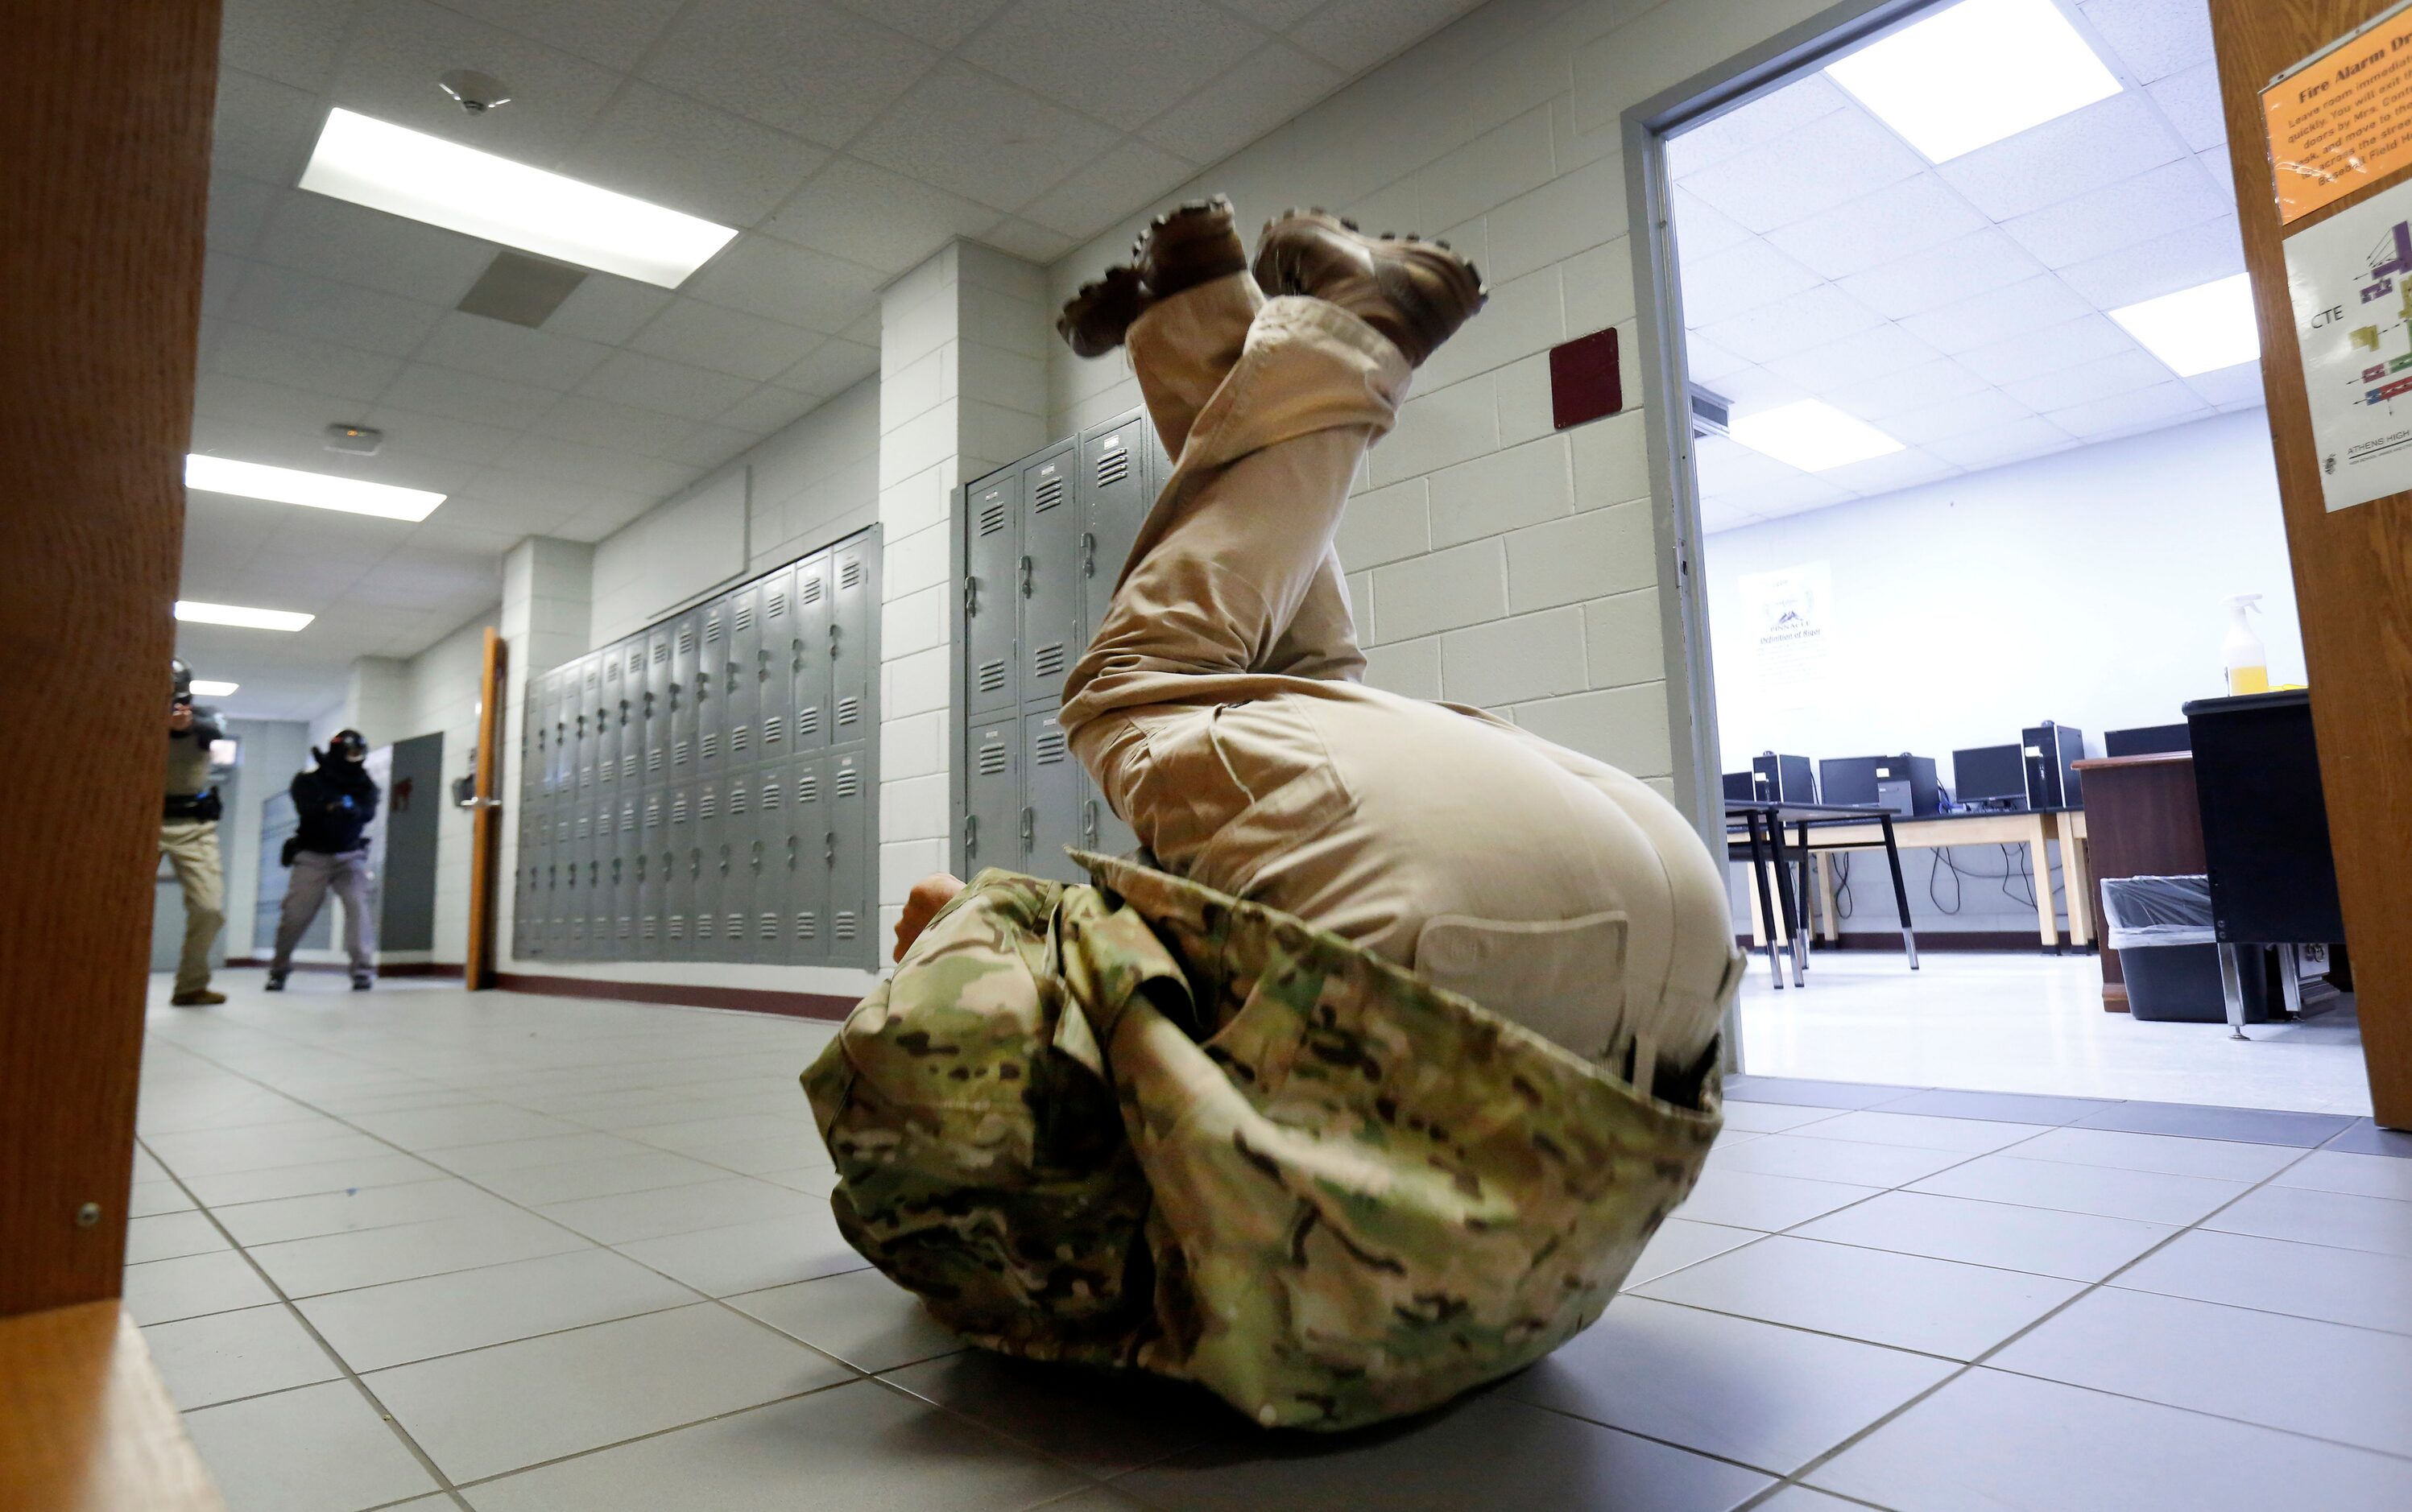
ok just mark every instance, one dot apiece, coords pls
pixel 607 308
pixel 2153 203
pixel 2164 265
pixel 1987 408
pixel 2231 386
pixel 784 282
pixel 2032 353
pixel 2103 143
pixel 2191 101
pixel 939 22
pixel 1121 63
pixel 2164 404
pixel 262 129
pixel 1870 354
pixel 1752 387
pixel 374 250
pixel 298 362
pixel 801 67
pixel 620 471
pixel 879 219
pixel 1724 285
pixel 258 402
pixel 1727 468
pixel 835 364
pixel 586 420
pixel 2155 38
pixel 1706 362
pixel 220 272
pixel 466 396
pixel 1814 318
pixel 977 136
pixel 1875 399
pixel 301 304
pixel 672 387
pixel 1755 123
pixel 2013 442
pixel 499 350
pixel 461 440
pixel 2222 172
pixel 539 493
pixel 1276 14
pixel 1997 314
pixel 1906 469
pixel 1943 276
pixel 708 445
pixel 1788 495
pixel 1701 228
pixel 2099 379
pixel 291 41
pixel 1355 35
pixel 399 48
pixel 614 33
pixel 767 410
pixel 1129 176
pixel 1268 87
pixel 1716 514
pixel 239 207
pixel 1836 158
pixel 1881 228
pixel 708 336
pixel 1028 240
pixel 691 157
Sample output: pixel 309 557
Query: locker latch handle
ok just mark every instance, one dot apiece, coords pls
pixel 1089 820
pixel 1029 570
pixel 828 847
pixel 1088 555
pixel 757 856
pixel 971 596
pixel 971 833
pixel 724 861
pixel 1029 827
pixel 694 862
pixel 832 642
pixel 791 853
pixel 734 669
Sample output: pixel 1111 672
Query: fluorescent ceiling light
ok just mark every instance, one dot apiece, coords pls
pixel 208 689
pixel 1812 436
pixel 1970 76
pixel 391 168
pixel 2199 329
pixel 285 485
pixel 249 618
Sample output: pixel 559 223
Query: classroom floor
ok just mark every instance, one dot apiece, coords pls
pixel 419 1248
pixel 2024 1022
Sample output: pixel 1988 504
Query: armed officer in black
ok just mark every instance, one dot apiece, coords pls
pixel 334 801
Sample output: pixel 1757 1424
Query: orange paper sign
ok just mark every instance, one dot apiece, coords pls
pixel 2343 121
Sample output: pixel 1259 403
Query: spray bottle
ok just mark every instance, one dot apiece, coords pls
pixel 2247 659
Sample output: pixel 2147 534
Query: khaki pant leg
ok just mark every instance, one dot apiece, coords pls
pixel 192 849
pixel 1184 348
pixel 356 884
pixel 305 893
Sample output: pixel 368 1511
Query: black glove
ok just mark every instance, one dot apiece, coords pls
pixel 209 806
pixel 292 848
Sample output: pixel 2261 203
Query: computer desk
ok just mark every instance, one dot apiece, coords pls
pixel 2035 829
pixel 1763 823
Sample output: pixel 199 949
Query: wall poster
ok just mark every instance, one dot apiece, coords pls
pixel 1790 615
pixel 2350 281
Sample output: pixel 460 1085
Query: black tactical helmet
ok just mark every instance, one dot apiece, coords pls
pixel 180 678
pixel 348 746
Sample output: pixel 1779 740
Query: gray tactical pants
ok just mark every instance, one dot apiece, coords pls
pixel 314 873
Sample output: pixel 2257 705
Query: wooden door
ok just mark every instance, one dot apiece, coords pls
pixel 2353 568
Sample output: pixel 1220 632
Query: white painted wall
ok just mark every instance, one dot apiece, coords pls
pixel 273 750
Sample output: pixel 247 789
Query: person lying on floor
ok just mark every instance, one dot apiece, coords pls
pixel 1369 1080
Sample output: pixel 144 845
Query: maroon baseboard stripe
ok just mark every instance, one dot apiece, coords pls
pixel 744 999
pixel 1929 941
pixel 407 968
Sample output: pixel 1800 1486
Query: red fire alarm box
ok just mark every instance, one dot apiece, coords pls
pixel 1586 382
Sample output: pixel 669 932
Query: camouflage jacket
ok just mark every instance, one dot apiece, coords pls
pixel 1144 1125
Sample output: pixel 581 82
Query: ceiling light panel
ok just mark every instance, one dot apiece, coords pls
pixel 1974 74
pixel 318 490
pixel 192 612
pixel 208 689
pixel 425 178
pixel 1812 436
pixel 2197 329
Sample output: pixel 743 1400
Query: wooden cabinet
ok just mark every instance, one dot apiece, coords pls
pixel 2140 820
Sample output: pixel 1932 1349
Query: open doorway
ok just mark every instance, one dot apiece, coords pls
pixel 1984 492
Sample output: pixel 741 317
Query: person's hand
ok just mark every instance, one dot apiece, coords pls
pixel 180 717
pixel 928 895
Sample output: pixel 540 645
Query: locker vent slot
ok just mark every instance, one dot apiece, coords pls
pixel 1051 747
pixel 774 730
pixel 1050 494
pixel 808 927
pixel 628 821
pixel 850 575
pixel 653 759
pixel 774 793
pixel 711 745
pixel 622 932
pixel 992 759
pixel 849 782
pixel 1050 659
pixel 745 616
pixel 767 927
pixel 678 925
pixel 661 651
pixel 739 737
pixel 679 754
pixel 849 708
pixel 628 766
pixel 685 641
pixel 1113 467
pixel 808 721
pixel 991 677
pixel 991 517
pixel 703 925
pixel 808 789
pixel 841 924
pixel 651 927
pixel 737 799
pixel 707 805
pixel 712 631
pixel 653 815
pixel 677 811
pixel 777 608
pixel 811 592
pixel 736 923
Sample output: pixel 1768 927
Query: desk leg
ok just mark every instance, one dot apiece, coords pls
pixel 1766 904
pixel 1783 896
pixel 2291 981
pixel 2076 876
pixel 1900 894
pixel 2039 854
pixel 2231 987
pixel 1826 912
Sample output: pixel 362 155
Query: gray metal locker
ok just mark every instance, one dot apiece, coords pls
pixel 811 848
pixel 1049 632
pixel 710 677
pixel 991 833
pixel 808 641
pixel 742 692
pixel 653 872
pixel 1120 476
pixel 548 713
pixel 992 591
pixel 659 726
pixel 854 614
pixel 764 927
pixel 740 855
pixel 589 724
pixel 684 854
pixel 712 840
pixel 853 909
pixel 608 724
pixel 627 843
pixel 686 636
pixel 1050 817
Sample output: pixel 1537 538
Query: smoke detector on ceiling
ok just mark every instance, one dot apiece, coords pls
pixel 358 440
pixel 473 92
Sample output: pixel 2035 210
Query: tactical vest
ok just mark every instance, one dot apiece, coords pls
pixel 1144 1125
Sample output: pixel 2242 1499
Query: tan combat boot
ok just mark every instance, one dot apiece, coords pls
pixel 1415 292
pixel 1183 248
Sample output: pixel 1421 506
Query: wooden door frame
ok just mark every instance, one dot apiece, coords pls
pixel 485 816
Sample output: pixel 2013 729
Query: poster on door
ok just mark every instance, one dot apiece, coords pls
pixel 2349 279
pixel 1790 615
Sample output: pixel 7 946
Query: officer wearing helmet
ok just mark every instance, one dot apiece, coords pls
pixel 188 835
pixel 335 803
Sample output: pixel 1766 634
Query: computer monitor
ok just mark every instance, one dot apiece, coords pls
pixel 1996 774
pixel 2147 739
pixel 1904 784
